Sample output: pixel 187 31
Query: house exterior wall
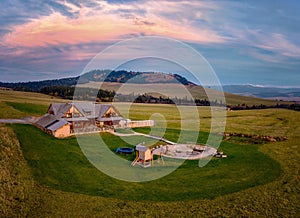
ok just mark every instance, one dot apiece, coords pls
pixel 111 112
pixel 50 110
pixel 145 155
pixel 62 132
pixel 72 112
pixel 100 124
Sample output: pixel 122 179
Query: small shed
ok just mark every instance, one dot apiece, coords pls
pixel 144 156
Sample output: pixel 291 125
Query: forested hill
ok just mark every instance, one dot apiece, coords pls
pixel 121 76
pixel 38 85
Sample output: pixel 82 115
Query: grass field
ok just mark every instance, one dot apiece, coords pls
pixel 15 104
pixel 175 90
pixel 60 164
pixel 27 97
pixel 55 180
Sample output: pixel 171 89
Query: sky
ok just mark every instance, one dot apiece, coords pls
pixel 246 42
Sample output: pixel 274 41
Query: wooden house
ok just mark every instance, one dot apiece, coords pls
pixel 65 119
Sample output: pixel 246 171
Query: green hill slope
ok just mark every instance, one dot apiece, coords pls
pixel 175 90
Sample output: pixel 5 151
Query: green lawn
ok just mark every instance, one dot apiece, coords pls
pixel 21 110
pixel 60 164
pixel 28 97
pixel 27 108
pixel 7 111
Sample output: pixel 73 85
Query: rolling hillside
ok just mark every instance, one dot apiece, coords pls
pixel 138 83
pixel 173 90
pixel 268 92
pixel 120 76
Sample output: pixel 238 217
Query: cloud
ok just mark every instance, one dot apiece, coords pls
pixel 14 74
pixel 268 46
pixel 108 22
pixel 55 61
pixel 234 35
pixel 277 42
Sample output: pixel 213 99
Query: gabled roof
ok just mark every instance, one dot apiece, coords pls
pixel 60 109
pixel 57 124
pixel 87 109
pixel 46 120
pixel 102 109
pixel 51 122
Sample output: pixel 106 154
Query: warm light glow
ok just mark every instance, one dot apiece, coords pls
pixel 107 24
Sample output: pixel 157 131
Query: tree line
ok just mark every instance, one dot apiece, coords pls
pixel 101 95
pixel 67 92
pixel 80 93
pixel 146 98
pixel 294 106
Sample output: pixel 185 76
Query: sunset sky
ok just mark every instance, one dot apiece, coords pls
pixel 257 43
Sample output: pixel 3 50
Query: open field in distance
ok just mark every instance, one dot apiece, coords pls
pixel 175 90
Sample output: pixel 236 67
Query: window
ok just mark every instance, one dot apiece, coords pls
pixel 76 115
pixel 88 113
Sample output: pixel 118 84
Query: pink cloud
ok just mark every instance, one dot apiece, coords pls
pixel 107 22
pixel 279 43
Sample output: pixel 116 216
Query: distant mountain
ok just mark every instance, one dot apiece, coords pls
pixel 123 76
pixel 120 76
pixel 291 94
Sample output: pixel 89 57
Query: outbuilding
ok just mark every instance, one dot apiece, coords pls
pixel 144 156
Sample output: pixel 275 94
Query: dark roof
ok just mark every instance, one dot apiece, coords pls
pixel 46 120
pixel 89 110
pixel 85 108
pixel 75 119
pixel 57 124
pixel 102 109
pixel 51 122
pixel 60 108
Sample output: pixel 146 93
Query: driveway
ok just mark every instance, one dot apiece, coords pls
pixel 25 120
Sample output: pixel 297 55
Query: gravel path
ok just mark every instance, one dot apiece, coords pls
pixel 149 136
pixel 25 120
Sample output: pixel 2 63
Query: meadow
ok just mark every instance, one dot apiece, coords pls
pixel 22 104
pixel 176 90
pixel 51 177
pixel 60 164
